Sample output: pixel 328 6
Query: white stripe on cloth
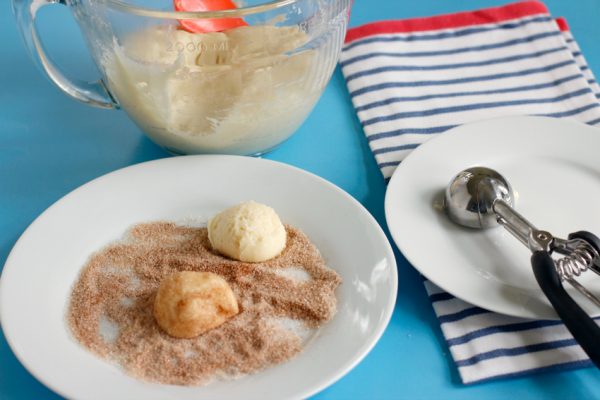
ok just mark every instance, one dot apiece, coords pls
pixel 410 87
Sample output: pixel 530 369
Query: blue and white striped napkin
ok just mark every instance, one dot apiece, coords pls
pixel 410 80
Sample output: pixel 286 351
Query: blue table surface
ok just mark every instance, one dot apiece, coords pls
pixel 50 144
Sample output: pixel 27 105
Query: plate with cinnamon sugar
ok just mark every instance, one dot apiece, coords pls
pixel 198 277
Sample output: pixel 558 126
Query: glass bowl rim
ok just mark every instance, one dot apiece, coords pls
pixel 123 6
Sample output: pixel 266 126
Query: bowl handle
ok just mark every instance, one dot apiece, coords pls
pixel 92 93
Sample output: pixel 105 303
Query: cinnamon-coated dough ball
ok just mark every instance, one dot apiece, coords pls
pixel 250 232
pixel 190 303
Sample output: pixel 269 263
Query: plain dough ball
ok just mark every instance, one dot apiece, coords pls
pixel 250 232
pixel 190 303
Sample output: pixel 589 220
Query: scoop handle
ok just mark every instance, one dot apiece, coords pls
pixel 583 328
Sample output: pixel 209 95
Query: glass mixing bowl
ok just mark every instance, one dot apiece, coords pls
pixel 239 91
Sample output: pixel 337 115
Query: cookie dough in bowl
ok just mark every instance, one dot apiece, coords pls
pixel 241 91
pixel 230 77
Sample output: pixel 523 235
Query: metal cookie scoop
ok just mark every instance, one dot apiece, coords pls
pixel 481 198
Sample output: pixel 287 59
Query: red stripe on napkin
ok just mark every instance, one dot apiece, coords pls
pixel 448 21
pixel 562 24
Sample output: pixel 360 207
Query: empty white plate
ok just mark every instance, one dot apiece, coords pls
pixel 554 168
pixel 38 275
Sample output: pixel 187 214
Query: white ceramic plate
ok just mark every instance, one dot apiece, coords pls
pixel 554 168
pixel 45 262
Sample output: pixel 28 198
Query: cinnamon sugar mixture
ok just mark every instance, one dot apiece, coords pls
pixel 111 306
